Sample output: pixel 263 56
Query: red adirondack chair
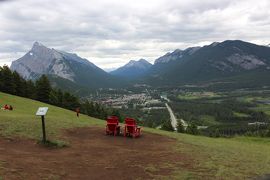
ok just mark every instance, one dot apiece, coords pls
pixel 131 128
pixel 112 126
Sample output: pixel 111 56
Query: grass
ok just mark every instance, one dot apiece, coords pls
pixel 197 95
pixel 208 120
pixel 23 122
pixel 225 158
pixel 238 114
pixel 212 158
pixel 264 108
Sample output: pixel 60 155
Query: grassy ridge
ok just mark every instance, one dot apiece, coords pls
pixel 220 158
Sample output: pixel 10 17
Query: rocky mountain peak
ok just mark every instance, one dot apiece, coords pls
pixel 42 60
pixel 133 68
pixel 141 63
pixel 176 55
pixel 38 44
pixel 38 47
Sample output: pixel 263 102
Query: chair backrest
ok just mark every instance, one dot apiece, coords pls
pixel 130 121
pixel 113 120
pixel 130 124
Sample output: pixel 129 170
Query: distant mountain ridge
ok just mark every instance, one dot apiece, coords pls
pixel 213 62
pixel 42 60
pixel 132 69
pixel 233 62
pixel 176 54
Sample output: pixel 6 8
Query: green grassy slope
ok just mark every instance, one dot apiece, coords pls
pixel 214 158
pixel 22 121
pixel 221 158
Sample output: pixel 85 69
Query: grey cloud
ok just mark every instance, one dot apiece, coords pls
pixel 125 29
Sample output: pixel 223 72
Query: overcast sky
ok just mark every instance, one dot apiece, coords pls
pixel 109 33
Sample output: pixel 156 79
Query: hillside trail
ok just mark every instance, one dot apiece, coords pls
pixel 92 155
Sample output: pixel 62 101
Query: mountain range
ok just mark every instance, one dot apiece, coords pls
pixel 62 65
pixel 219 62
pixel 232 62
pixel 133 69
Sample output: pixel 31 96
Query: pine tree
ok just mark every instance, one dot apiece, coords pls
pixel 56 98
pixel 91 109
pixel 7 84
pixel 60 97
pixel 1 79
pixel 70 102
pixel 268 132
pixel 115 112
pixel 43 89
pixel 180 127
pixel 30 89
pixel 217 133
pixel 53 97
pixel 19 86
pixel 192 129
pixel 167 126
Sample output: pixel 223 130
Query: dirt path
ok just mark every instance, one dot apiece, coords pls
pixel 91 155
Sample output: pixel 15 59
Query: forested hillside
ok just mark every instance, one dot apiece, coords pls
pixel 41 90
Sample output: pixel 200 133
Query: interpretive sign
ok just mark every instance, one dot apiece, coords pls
pixel 42 111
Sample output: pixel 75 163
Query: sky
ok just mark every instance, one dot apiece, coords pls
pixel 109 33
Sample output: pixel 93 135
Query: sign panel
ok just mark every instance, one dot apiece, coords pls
pixel 42 111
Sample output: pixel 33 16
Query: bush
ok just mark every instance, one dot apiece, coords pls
pixel 167 126
pixel 268 133
pixel 192 129
pixel 180 127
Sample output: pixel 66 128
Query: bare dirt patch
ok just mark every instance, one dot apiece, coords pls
pixel 91 155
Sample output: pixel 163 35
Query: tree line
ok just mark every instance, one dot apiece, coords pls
pixel 223 111
pixel 220 131
pixel 12 83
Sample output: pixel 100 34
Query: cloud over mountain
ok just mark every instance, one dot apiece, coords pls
pixel 112 31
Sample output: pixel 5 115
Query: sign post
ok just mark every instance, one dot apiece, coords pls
pixel 42 111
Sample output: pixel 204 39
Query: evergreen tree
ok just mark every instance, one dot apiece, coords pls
pixel 115 112
pixel 268 132
pixel 56 98
pixel 19 84
pixel 43 89
pixel 180 127
pixel 1 79
pixel 60 97
pixel 13 83
pixel 217 133
pixel 192 129
pixel 91 109
pixel 53 97
pixel 103 113
pixel 7 84
pixel 167 126
pixel 70 102
pixel 84 107
pixel 30 89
